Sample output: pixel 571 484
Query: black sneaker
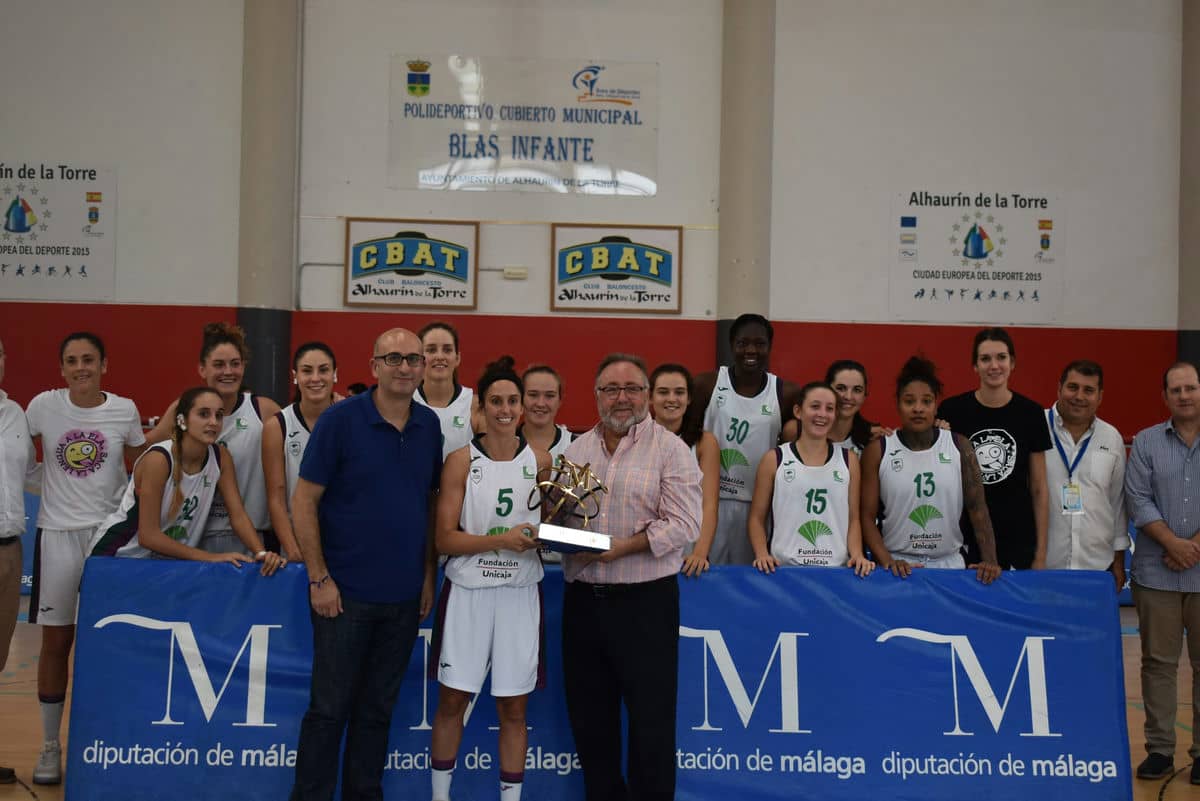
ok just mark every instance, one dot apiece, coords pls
pixel 1196 772
pixel 1156 766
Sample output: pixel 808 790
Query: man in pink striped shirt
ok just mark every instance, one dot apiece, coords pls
pixel 621 607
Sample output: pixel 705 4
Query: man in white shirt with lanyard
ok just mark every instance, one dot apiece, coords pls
pixel 1086 475
pixel 18 472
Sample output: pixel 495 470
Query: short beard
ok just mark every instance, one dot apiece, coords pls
pixel 621 429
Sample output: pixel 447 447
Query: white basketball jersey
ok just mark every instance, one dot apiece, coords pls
pixel 118 534
pixel 920 493
pixel 745 428
pixel 496 499
pixel 848 444
pixel 295 440
pixel 455 419
pixel 83 450
pixel 562 439
pixel 811 507
pixel 241 434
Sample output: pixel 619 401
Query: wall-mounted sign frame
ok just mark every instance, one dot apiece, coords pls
pixel 633 269
pixel 414 264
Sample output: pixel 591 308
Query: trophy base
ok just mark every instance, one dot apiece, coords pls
pixel 572 540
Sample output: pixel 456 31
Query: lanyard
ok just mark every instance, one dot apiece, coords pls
pixel 1062 452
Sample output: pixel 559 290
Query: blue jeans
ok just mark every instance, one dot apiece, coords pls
pixel 359 659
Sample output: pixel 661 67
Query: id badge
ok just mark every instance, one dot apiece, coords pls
pixel 1072 499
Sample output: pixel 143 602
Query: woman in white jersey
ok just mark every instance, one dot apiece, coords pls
pixel 811 487
pixel 223 359
pixel 284 436
pixel 918 481
pixel 167 501
pixel 541 400
pixel 671 390
pixel 453 403
pixel 851 430
pixel 489 611
pixel 742 406
pixel 87 437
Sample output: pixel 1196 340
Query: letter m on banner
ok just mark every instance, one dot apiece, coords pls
pixel 183 638
pixel 1032 654
pixel 789 679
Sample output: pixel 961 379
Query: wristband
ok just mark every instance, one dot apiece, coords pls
pixel 319 581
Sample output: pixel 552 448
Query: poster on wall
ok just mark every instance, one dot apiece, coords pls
pixel 416 264
pixel 467 122
pixel 634 269
pixel 57 238
pixel 976 257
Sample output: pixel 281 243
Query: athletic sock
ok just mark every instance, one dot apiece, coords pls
pixel 52 713
pixel 510 785
pixel 443 772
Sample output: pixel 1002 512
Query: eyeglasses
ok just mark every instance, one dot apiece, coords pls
pixel 396 359
pixel 612 391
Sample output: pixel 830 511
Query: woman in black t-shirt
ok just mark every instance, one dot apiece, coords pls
pixel 1009 434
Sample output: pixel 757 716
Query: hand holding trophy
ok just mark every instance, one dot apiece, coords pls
pixel 570 491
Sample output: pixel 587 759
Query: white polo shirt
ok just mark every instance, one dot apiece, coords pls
pixel 18 467
pixel 1087 541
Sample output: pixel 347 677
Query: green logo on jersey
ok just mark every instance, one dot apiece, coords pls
pixel 813 529
pixel 944 458
pixel 177 533
pixel 528 472
pixel 731 457
pixel 492 532
pixel 458 422
pixel 839 476
pixel 766 410
pixel 242 425
pixel 923 514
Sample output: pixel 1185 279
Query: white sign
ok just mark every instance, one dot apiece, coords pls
pixel 464 122
pixel 421 264
pixel 631 268
pixel 58 224
pixel 976 257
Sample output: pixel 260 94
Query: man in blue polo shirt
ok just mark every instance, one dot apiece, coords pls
pixel 361 512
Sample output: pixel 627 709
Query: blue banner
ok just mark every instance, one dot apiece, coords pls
pixel 807 684
pixel 411 254
pixel 620 259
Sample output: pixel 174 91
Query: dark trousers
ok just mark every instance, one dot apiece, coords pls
pixel 621 644
pixel 359 659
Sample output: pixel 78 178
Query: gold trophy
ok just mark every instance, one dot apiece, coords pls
pixel 570 491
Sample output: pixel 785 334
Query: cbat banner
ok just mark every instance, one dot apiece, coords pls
pixel 58 228
pixel 978 256
pixel 807 684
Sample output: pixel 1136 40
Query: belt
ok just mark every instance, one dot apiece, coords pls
pixel 617 590
pixel 9 540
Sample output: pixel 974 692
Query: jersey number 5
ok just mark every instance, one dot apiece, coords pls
pixel 504 504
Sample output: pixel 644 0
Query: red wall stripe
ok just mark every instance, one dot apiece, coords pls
pixel 153 351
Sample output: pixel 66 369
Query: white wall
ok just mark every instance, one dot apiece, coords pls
pixel 153 89
pixel 1079 99
pixel 344 138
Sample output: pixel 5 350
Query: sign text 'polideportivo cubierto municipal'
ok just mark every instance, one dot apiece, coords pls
pixel 805 684
pixel 474 123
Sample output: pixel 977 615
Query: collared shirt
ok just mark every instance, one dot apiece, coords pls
pixel 1087 541
pixel 374 512
pixel 653 485
pixel 18 466
pixel 1162 482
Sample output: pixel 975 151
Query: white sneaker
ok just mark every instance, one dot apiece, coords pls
pixel 49 766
